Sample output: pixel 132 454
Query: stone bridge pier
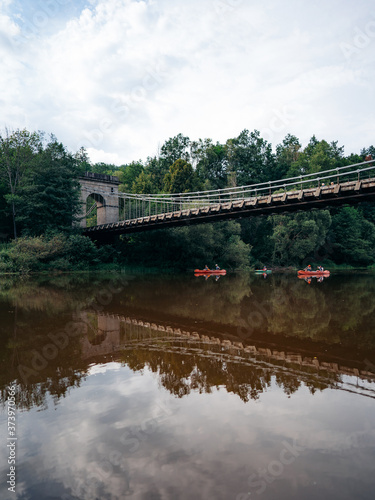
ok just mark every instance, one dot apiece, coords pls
pixel 103 334
pixel 104 190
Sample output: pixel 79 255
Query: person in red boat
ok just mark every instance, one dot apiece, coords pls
pixel 206 268
pixel 308 268
pixel 217 267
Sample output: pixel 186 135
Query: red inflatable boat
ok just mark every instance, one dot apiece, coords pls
pixel 210 271
pixel 313 273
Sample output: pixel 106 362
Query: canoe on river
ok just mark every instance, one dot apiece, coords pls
pixel 210 271
pixel 260 271
pixel 313 273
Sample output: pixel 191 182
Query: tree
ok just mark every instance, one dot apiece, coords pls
pixel 156 168
pixel 188 247
pixel 18 151
pixel 83 161
pixel 250 159
pixel 287 153
pixel 211 160
pixel 299 236
pixel 181 178
pixel 127 174
pixel 143 184
pixel 353 237
pixel 175 148
pixel 368 151
pixel 5 219
pixel 257 232
pixel 316 157
pixel 104 168
pixel 50 191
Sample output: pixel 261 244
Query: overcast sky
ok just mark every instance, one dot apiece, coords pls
pixel 120 77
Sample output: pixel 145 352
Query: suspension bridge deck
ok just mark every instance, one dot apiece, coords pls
pixel 266 204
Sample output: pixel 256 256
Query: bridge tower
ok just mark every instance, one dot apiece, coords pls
pixel 104 190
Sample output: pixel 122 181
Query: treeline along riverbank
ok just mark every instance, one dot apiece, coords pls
pixel 39 206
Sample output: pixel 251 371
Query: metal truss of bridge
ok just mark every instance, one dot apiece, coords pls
pixel 345 185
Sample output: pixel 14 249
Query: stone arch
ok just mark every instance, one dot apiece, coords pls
pixel 100 207
pixel 104 190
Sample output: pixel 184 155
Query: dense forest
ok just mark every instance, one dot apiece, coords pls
pixel 39 206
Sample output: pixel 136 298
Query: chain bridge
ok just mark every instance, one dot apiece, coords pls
pixel 124 213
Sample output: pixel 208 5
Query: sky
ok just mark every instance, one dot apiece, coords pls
pixel 120 77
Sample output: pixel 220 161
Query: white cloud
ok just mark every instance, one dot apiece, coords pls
pixel 122 76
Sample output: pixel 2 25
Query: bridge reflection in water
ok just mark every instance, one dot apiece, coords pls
pixel 235 334
pixel 212 360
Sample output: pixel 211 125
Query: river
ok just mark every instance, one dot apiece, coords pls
pixel 156 387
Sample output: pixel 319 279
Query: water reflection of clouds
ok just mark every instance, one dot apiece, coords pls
pixel 200 446
pixel 96 369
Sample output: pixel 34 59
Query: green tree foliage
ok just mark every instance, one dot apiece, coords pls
pixel 49 252
pixel 143 184
pixel 298 236
pixel 50 192
pixel 189 247
pixel 368 151
pixel 175 148
pixel 257 232
pixel 353 237
pixel 287 154
pixel 104 168
pixel 127 175
pixel 18 151
pixel 156 169
pixel 250 159
pixel 317 156
pixel 83 161
pixel 181 178
pixel 5 216
pixel 211 162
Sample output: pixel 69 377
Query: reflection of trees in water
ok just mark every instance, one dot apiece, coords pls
pixel 189 297
pixel 34 362
pixel 340 310
pixel 299 311
pixel 50 295
pixel 36 394
pixel 353 309
pixel 182 373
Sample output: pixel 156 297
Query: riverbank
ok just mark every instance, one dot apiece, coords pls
pixel 60 253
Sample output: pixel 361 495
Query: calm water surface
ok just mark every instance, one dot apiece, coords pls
pixel 152 387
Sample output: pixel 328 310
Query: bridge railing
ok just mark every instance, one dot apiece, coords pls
pixel 135 206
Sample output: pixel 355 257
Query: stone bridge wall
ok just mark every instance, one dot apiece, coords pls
pixel 104 189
